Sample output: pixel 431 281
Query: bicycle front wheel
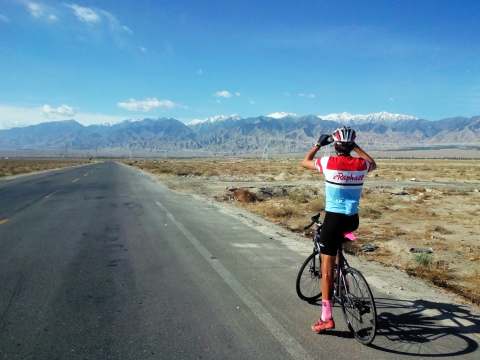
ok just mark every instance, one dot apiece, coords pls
pixel 358 306
pixel 308 278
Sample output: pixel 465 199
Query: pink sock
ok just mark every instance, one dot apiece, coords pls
pixel 326 310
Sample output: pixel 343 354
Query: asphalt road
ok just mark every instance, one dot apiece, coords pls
pixel 102 262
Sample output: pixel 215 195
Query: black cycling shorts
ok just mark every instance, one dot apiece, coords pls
pixel 333 228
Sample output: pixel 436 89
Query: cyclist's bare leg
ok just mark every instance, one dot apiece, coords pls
pixel 328 262
pixel 326 321
pixel 326 281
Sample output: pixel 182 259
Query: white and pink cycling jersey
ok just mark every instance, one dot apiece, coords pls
pixel 344 176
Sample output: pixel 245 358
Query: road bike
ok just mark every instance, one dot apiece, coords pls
pixel 350 289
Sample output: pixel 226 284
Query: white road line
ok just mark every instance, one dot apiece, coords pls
pixel 49 195
pixel 75 180
pixel 86 174
pixel 292 346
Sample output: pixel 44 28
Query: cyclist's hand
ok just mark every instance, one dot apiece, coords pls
pixel 324 140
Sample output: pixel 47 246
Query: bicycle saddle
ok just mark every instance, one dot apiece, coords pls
pixel 350 236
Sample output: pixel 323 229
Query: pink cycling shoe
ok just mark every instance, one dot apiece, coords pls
pixel 321 326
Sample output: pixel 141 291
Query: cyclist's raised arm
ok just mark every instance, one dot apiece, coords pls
pixel 363 154
pixel 308 161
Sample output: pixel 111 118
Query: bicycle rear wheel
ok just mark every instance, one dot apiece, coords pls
pixel 358 306
pixel 308 278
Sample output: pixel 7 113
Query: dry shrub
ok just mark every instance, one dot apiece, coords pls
pixel 272 209
pixel 416 190
pixel 456 192
pixel 444 278
pixel 268 169
pixel 390 232
pixel 370 212
pixel 243 196
pixel 441 230
pixel 316 205
pixel 280 211
pixel 296 224
pixel 212 172
pixel 10 167
pixel 299 196
pixel 438 277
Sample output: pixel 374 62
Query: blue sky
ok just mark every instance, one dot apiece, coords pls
pixel 103 61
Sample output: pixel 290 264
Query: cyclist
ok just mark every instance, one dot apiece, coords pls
pixel 344 176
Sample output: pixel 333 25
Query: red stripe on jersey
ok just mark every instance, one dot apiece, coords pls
pixel 346 163
pixel 318 165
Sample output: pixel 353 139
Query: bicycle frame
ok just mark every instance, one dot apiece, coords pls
pixel 339 276
pixel 341 265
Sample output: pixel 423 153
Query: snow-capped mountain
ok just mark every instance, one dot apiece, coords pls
pixel 286 134
pixel 372 117
pixel 280 115
pixel 214 118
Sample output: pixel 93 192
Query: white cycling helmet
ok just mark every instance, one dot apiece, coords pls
pixel 344 135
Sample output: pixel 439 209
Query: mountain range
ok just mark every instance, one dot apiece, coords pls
pixel 280 132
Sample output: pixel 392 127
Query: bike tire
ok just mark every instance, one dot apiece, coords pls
pixel 308 278
pixel 357 301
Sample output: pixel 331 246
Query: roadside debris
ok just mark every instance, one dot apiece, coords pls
pixel 399 191
pixel 368 247
pixel 415 250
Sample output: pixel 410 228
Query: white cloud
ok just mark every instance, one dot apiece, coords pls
pixel 251 102
pixel 114 24
pixel 17 116
pixel 63 111
pixel 307 95
pixel 223 94
pixel 237 93
pixel 39 10
pixel 103 21
pixel 127 29
pixel 85 14
pixel 35 9
pixel 4 18
pixel 146 105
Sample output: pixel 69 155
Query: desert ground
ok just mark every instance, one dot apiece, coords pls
pixel 10 167
pixel 418 215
